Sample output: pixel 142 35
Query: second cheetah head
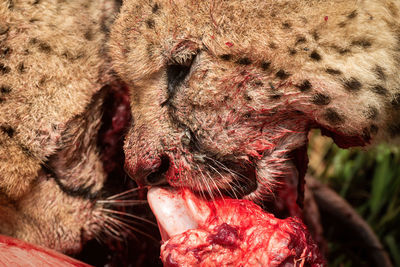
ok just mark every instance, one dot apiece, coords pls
pixel 224 93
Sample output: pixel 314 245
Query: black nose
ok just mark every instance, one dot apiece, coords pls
pixel 157 177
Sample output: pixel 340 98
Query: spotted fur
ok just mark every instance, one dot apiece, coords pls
pixel 222 92
pixel 255 77
pixel 52 68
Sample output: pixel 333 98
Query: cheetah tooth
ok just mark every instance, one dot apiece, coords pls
pixel 172 214
pixel 176 211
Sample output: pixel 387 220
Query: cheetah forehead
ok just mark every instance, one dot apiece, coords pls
pixel 340 57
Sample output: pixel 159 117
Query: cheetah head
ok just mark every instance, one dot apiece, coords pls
pixel 224 93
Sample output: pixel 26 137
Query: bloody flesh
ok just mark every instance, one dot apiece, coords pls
pixel 236 232
pixel 14 252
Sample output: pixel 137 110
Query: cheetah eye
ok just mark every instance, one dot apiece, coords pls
pixel 176 74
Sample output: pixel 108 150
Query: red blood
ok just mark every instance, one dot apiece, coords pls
pixel 115 121
pixel 326 18
pixel 14 252
pixel 229 44
pixel 170 262
pixel 239 233
pixel 226 236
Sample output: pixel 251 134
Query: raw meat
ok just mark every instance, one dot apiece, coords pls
pixel 227 232
pixel 14 252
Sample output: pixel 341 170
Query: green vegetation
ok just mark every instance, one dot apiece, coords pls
pixel 370 181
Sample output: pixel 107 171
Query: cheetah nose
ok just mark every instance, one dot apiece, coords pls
pixel 152 173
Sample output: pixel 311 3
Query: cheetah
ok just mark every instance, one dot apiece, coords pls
pixel 224 93
pixel 53 72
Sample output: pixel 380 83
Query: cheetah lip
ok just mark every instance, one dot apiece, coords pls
pixel 248 185
pixel 259 189
pixel 242 175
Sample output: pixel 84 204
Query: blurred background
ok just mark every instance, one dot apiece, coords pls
pixel 370 182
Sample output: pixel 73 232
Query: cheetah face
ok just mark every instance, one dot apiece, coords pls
pixel 221 127
pixel 224 93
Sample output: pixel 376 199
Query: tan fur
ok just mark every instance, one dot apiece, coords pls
pixel 263 74
pixel 52 63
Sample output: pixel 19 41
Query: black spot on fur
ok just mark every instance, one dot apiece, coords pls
pixel 333 117
pixel 333 71
pixel 343 51
pixel 286 25
pixel 373 129
pixel 371 113
pixel 4 69
pixel 380 73
pixel 248 97
pixel 4 29
pixel 5 52
pixel 272 45
pixel 44 47
pixel 321 99
pixel 7 130
pixel 258 83
pixel 244 61
pixel 300 40
pixel 340 50
pixel 10 4
pixel 352 15
pixel 33 41
pixel 304 86
pixel 88 34
pixel 394 129
pixel 43 80
pixel 365 43
pixel 104 27
pixel 265 65
pixel 72 57
pixel 226 57
pixel 156 8
pixel 315 35
pixel 21 67
pixel 275 96
pixel 315 56
pixel 366 134
pixel 396 101
pixel 342 24
pixel 4 89
pixel 292 51
pixel 150 23
pixel 150 50
pixel 1 100
pixel 379 89
pixel 352 85
pixel 281 74
pixel 36 2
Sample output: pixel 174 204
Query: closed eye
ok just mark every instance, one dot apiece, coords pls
pixel 176 74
